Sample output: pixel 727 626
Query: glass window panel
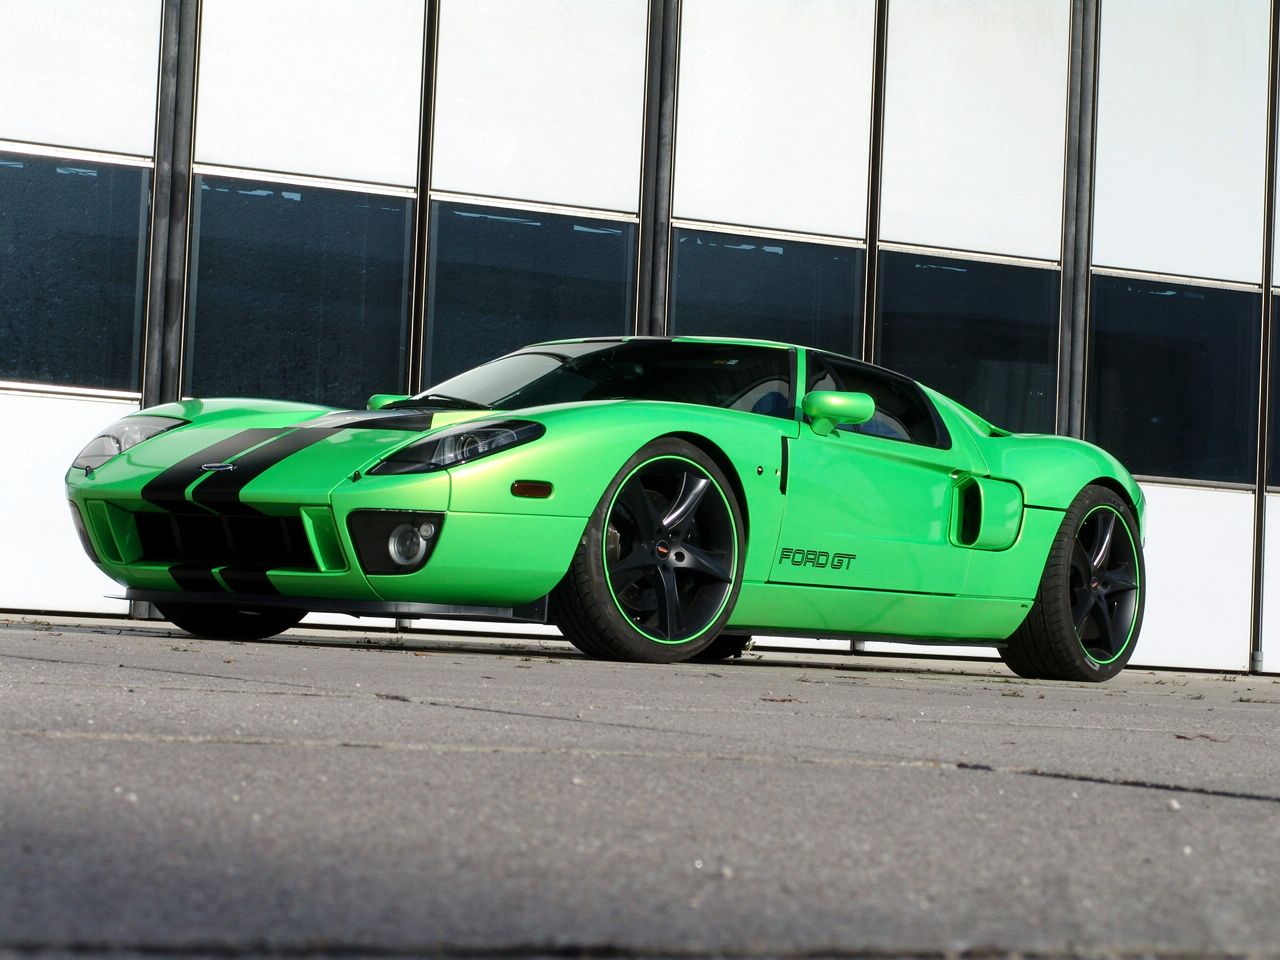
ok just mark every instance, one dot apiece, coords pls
pixel 737 128
pixel 330 88
pixel 541 100
pixel 985 334
pixel 1181 137
pixel 1273 442
pixel 73 245
pixel 974 124
pixel 1173 378
pixel 500 279
pixel 737 286
pixel 902 411
pixel 297 292
pixel 80 73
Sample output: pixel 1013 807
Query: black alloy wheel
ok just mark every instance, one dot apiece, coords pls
pixel 1088 609
pixel 1104 584
pixel 660 564
pixel 670 546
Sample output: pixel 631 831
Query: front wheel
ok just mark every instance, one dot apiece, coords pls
pixel 1088 610
pixel 659 567
pixel 215 621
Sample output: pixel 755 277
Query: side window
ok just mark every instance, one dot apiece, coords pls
pixel 902 411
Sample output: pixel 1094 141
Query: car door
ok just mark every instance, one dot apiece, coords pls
pixel 869 506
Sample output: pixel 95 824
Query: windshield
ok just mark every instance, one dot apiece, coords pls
pixel 735 376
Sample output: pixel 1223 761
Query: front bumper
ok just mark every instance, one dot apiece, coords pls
pixel 502 561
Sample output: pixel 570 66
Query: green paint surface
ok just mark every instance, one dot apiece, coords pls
pixel 890 509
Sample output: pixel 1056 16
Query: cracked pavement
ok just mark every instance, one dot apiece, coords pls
pixel 447 796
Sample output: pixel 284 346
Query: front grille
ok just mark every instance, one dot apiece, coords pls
pixel 212 541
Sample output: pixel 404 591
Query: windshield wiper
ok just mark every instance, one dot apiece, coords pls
pixel 438 400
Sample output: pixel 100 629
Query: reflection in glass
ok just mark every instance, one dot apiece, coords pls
pixel 985 334
pixel 1173 378
pixel 297 292
pixel 733 286
pixel 73 237
pixel 500 279
pixel 1273 440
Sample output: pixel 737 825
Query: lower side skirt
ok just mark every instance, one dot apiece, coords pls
pixel 535 612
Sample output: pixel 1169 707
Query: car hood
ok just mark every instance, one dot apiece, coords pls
pixel 259 453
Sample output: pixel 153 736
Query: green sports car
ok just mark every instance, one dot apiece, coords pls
pixel 657 499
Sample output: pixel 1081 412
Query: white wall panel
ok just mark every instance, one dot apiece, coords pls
pixel 1271 588
pixel 1181 142
pixel 541 100
pixel 1199 557
pixel 322 87
pixel 42 565
pixel 974 127
pixel 774 113
pixel 80 73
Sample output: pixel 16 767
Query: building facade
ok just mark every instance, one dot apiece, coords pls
pixel 1061 212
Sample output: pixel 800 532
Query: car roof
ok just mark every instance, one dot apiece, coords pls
pixel 735 341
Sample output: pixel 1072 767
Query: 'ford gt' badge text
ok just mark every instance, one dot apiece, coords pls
pixel 799 557
pixel 217 467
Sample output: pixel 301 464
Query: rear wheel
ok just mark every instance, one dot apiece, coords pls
pixel 214 621
pixel 660 564
pixel 1088 611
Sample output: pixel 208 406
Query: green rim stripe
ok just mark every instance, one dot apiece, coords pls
pixel 604 549
pixel 1137 578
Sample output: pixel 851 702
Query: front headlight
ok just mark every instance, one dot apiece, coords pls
pixel 120 436
pixel 462 444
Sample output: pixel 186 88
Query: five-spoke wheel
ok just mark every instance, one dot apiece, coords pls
pixel 660 564
pixel 1088 610
pixel 1104 584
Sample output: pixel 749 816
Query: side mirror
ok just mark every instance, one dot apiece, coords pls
pixel 828 408
pixel 380 400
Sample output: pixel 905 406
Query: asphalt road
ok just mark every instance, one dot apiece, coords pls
pixel 166 796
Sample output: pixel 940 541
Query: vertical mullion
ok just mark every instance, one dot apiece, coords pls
pixel 158 232
pixel 1077 219
pixel 1267 345
pixel 174 276
pixel 417 339
pixel 875 154
pixel 657 167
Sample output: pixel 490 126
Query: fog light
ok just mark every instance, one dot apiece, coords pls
pixel 394 541
pixel 407 544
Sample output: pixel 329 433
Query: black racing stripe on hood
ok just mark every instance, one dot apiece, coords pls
pixel 194 578
pixel 168 489
pixel 411 421
pixel 221 491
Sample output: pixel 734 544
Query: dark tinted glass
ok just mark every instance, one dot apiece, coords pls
pixel 503 278
pixel 732 286
pixel 902 410
pixel 300 293
pixel 1273 449
pixel 72 260
pixel 752 379
pixel 1173 378
pixel 984 334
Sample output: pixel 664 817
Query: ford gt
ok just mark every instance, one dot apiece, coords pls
pixel 657 499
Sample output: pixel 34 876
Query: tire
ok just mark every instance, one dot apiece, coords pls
pixel 214 621
pixel 726 646
pixel 659 567
pixel 1088 610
